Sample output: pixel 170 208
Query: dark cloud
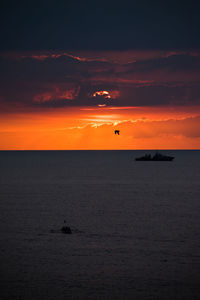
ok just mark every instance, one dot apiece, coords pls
pixel 57 80
pixel 176 62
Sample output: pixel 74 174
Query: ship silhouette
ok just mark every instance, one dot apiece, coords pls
pixel 156 157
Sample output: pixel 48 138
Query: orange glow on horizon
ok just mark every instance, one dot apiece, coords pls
pixel 78 129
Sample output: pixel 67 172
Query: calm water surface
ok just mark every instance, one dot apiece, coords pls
pixel 136 225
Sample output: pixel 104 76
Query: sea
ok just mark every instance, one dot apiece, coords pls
pixel 135 225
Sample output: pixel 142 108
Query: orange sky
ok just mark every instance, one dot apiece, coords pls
pixel 75 100
pixel 93 128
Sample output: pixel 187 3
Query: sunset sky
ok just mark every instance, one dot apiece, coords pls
pixel 73 72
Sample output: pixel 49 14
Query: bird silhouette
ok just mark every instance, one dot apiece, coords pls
pixel 117 132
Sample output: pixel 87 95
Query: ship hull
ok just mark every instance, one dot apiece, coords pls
pixel 163 159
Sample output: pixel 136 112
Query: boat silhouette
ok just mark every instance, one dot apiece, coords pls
pixel 156 157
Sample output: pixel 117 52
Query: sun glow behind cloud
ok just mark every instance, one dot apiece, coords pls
pixel 102 93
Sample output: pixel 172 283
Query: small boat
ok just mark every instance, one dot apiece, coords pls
pixel 66 229
pixel 157 157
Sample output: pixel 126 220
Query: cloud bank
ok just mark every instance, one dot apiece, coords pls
pixel 62 79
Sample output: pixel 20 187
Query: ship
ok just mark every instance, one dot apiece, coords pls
pixel 156 157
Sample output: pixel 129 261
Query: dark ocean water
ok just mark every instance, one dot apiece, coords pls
pixel 136 225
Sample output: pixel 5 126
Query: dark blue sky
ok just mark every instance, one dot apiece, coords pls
pixel 99 25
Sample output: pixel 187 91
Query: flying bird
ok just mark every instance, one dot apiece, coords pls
pixel 117 132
